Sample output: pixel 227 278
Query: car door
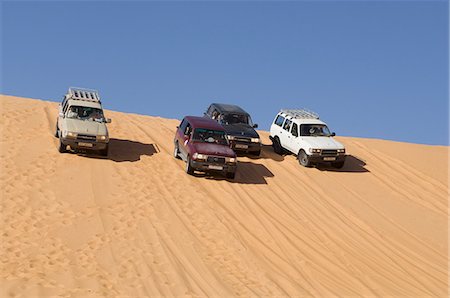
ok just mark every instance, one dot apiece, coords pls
pixel 285 135
pixel 294 140
pixel 276 127
pixel 62 109
pixel 184 133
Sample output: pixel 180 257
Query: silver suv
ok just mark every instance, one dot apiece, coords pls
pixel 81 124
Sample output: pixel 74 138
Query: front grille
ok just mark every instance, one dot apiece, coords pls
pixel 246 140
pixel 329 152
pixel 215 159
pixel 86 137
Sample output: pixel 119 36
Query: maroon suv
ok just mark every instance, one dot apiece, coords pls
pixel 202 143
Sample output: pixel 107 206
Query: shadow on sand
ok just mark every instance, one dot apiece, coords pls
pixel 247 173
pixel 352 165
pixel 125 150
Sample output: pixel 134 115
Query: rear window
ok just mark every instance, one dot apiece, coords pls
pixel 279 121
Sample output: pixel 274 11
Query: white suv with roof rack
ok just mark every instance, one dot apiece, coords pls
pixel 81 124
pixel 302 133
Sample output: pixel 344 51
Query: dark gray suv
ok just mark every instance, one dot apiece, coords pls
pixel 238 126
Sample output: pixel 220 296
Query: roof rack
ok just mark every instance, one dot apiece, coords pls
pixel 300 113
pixel 83 94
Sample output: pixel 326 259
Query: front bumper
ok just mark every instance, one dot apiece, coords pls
pixel 204 166
pixel 316 158
pixel 77 144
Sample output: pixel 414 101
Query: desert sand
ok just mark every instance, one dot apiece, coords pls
pixel 135 224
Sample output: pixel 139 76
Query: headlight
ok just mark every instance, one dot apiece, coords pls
pixel 231 159
pixel 256 140
pixel 315 150
pixel 69 134
pixel 341 150
pixel 102 138
pixel 230 137
pixel 197 156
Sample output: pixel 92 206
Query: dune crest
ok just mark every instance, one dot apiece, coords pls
pixel 134 224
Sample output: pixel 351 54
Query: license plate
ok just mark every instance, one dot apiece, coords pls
pixel 329 158
pixel 241 146
pixel 81 144
pixel 212 167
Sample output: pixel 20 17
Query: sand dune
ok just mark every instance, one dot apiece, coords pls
pixel 135 224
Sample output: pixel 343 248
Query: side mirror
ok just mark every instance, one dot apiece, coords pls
pixel 255 125
pixel 108 120
pixel 333 134
pixel 61 114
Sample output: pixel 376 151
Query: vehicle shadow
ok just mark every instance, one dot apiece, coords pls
pixel 266 153
pixel 125 150
pixel 352 165
pixel 247 173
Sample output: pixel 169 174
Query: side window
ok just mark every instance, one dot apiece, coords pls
pixel 183 125
pixel 215 115
pixel 294 130
pixel 65 105
pixel 279 121
pixel 210 110
pixel 188 130
pixel 287 125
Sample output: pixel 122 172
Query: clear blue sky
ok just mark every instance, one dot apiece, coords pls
pixel 375 69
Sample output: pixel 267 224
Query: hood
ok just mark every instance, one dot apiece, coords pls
pixel 243 130
pixel 323 143
pixel 86 127
pixel 213 149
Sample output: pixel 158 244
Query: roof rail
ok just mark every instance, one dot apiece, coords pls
pixel 83 94
pixel 300 113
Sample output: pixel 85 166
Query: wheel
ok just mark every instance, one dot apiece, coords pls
pixel 189 168
pixel 230 175
pixel 104 152
pixel 57 131
pixel 303 159
pixel 176 151
pixel 277 146
pixel 338 165
pixel 255 153
pixel 62 148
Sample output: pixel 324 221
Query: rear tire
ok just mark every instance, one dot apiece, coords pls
pixel 189 168
pixel 303 159
pixel 230 175
pixel 277 146
pixel 338 165
pixel 62 148
pixel 57 131
pixel 176 151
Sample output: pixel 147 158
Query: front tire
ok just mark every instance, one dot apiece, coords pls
pixel 189 168
pixel 256 153
pixel 338 165
pixel 230 175
pixel 303 159
pixel 104 152
pixel 62 148
pixel 276 144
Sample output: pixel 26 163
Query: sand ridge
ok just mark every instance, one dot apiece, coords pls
pixel 135 224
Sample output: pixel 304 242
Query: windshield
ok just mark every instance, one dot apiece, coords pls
pixel 209 136
pixel 314 130
pixel 85 113
pixel 228 119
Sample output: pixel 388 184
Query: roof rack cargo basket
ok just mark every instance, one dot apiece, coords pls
pixel 83 94
pixel 300 113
